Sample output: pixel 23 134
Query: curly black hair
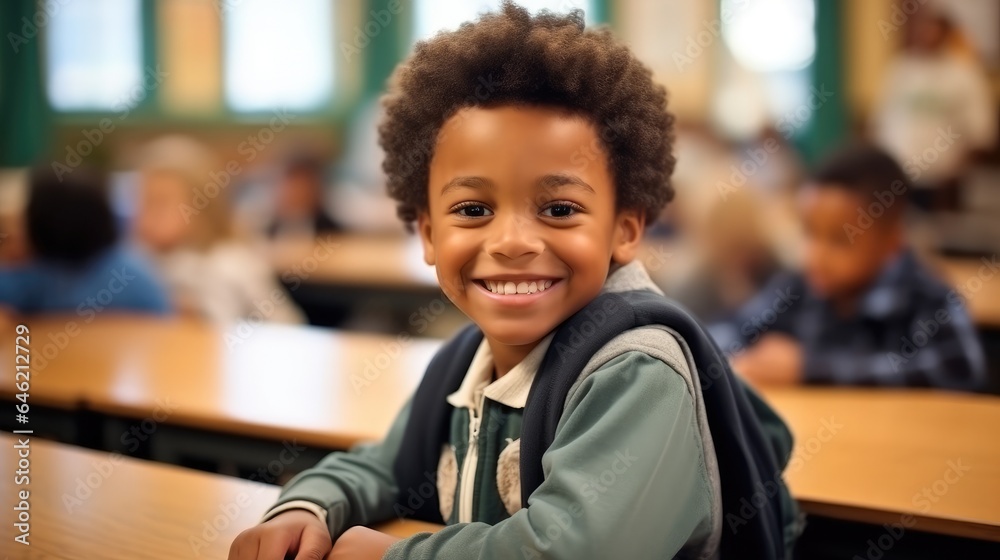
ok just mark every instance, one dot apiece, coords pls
pixel 866 170
pixel 513 58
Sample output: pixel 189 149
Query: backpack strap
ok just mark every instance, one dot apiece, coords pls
pixel 427 427
pixel 746 457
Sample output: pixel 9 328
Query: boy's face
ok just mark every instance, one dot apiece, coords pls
pixel 520 198
pixel 841 257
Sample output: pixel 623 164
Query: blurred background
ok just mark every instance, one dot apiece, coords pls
pixel 225 151
pixel 231 135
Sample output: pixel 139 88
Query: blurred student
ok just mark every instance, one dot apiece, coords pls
pixel 732 258
pixel 864 311
pixel 559 378
pixel 936 110
pixel 183 220
pixel 299 211
pixel 75 263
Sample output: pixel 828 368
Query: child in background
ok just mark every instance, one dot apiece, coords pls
pixel 76 263
pixel 543 150
pixel 937 110
pixel 864 311
pixel 183 220
pixel 299 209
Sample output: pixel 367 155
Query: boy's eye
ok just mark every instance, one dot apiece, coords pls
pixel 472 210
pixel 559 210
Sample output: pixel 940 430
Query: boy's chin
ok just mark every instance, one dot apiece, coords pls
pixel 517 334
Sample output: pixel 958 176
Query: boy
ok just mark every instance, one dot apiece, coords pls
pixel 864 311
pixel 76 262
pixel 531 153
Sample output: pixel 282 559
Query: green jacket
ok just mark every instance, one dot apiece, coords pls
pixel 632 472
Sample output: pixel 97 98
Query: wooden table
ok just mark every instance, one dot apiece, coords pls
pixel 869 456
pixel 295 382
pixel 87 504
pixel 356 260
pixel 326 388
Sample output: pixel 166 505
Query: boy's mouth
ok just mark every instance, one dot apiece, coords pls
pixel 516 287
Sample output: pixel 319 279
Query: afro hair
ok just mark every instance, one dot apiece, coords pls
pixel 550 60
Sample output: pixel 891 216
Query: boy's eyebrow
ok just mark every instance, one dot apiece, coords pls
pixel 550 181
pixel 470 182
pixel 559 179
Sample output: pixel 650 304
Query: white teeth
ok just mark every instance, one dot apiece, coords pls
pixel 510 288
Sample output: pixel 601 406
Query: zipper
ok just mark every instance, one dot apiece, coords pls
pixel 470 463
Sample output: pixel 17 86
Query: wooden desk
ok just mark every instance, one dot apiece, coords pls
pixel 84 505
pixel 868 455
pixel 294 382
pixel 356 260
pixel 324 388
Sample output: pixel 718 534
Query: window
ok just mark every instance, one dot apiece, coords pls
pixel 278 54
pixel 770 35
pixel 771 44
pixel 94 56
pixel 440 15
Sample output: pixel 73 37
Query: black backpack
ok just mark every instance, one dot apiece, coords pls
pixel 750 459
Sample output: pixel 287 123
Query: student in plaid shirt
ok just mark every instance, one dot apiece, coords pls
pixel 864 310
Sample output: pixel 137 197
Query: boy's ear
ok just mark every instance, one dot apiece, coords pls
pixel 630 224
pixel 424 229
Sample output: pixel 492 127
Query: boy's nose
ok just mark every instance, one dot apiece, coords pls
pixel 512 236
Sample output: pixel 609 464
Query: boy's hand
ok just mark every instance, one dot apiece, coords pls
pixel 361 543
pixel 775 360
pixel 296 531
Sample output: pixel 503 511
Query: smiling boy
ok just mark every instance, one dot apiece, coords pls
pixel 565 422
